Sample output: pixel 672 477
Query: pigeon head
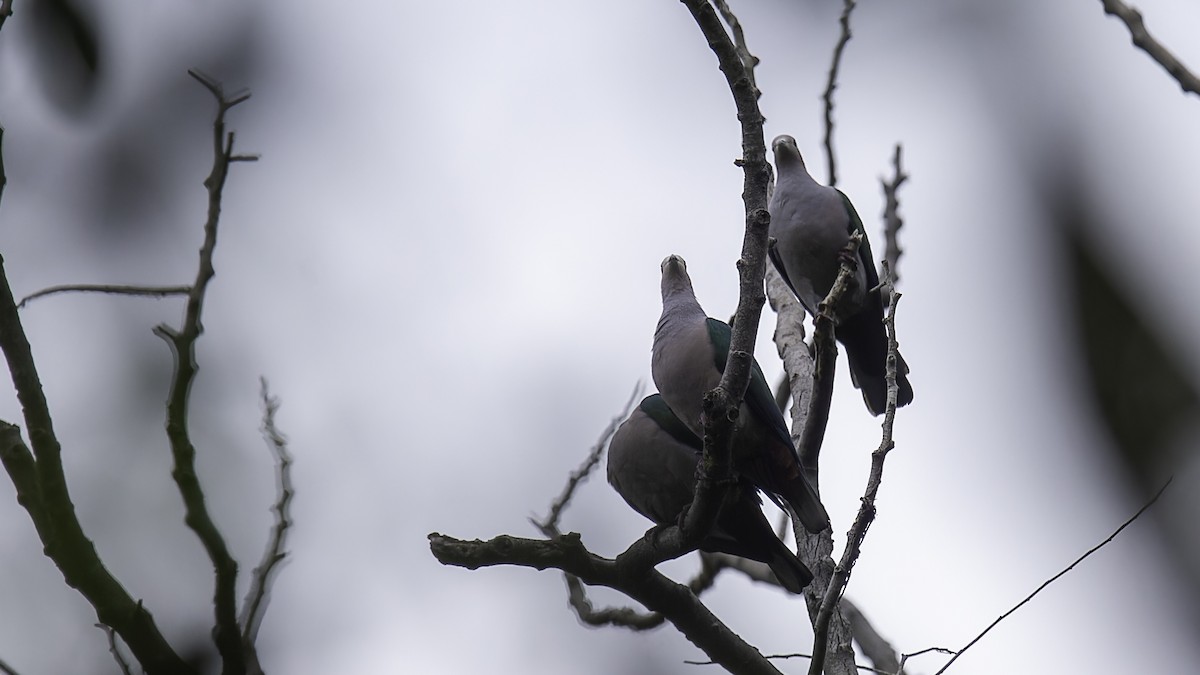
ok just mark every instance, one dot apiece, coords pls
pixel 786 151
pixel 673 260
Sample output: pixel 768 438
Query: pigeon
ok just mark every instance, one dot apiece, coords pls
pixel 810 225
pixel 689 355
pixel 652 462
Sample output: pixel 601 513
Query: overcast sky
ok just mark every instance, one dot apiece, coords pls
pixel 447 262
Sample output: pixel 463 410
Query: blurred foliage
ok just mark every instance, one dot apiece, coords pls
pixel 1140 389
pixel 67 48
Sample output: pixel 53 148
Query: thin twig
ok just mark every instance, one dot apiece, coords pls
pixel 751 569
pixel 831 84
pixel 226 633
pixel 621 617
pixel 627 617
pixel 891 216
pixel 1054 578
pixel 796 655
pixel 577 596
pixel 866 510
pixel 254 608
pixel 144 291
pixel 1146 42
pixel 3 177
pixel 114 650
pixel 549 525
pixel 4 667
pixel 928 650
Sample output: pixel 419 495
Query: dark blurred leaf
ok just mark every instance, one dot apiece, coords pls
pixel 67 52
pixel 1140 388
pixel 1142 392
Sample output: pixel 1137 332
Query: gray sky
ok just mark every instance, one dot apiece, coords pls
pixel 447 265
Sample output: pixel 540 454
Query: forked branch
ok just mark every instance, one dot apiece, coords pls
pixel 226 633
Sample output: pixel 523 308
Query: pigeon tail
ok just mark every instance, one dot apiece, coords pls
pixel 786 482
pixel 793 575
pixel 865 339
pixel 743 530
pixel 806 504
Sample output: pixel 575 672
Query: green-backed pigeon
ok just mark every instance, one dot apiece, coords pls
pixel 689 356
pixel 652 465
pixel 811 224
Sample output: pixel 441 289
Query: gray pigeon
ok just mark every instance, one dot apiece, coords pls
pixel 689 356
pixel 811 224
pixel 652 464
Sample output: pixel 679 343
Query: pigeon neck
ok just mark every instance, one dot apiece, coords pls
pixel 791 167
pixel 679 305
pixel 795 172
pixel 676 284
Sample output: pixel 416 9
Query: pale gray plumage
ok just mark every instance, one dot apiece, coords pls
pixel 689 355
pixel 811 225
pixel 652 464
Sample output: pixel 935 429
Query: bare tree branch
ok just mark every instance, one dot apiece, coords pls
pixel 831 85
pixel 865 669
pixel 658 593
pixel 42 490
pixel 749 61
pixel 825 360
pixel 144 291
pixel 790 343
pixel 4 667
pixel 632 572
pixel 5 12
pixel 815 550
pixel 866 510
pixel 891 217
pixel 1054 578
pixel 796 655
pixel 873 645
pixel 226 633
pixel 720 405
pixel 549 525
pixel 254 607
pixel 1146 42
